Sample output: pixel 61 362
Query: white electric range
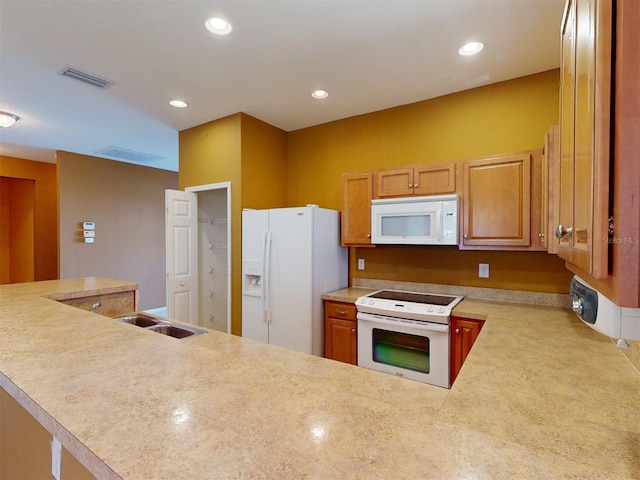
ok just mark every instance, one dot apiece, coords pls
pixel 406 334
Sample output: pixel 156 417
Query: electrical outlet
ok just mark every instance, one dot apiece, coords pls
pixel 483 270
pixel 56 458
pixel 361 264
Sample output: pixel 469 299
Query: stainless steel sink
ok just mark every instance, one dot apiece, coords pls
pixel 139 319
pixel 176 331
pixel 164 327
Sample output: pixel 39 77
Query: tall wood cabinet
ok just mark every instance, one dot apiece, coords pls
pixel 585 135
pixel 550 188
pixel 357 192
pixel 599 224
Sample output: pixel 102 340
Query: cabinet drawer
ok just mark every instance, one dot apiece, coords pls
pixel 340 310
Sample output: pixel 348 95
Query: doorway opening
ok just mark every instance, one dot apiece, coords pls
pixel 17 230
pixel 199 256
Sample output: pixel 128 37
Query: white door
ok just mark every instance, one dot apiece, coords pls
pixel 182 255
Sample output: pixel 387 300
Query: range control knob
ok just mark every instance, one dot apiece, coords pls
pixel 371 302
pixel 430 309
pixel 441 310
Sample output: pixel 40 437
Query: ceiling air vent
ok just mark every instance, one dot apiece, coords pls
pixel 126 154
pixel 86 77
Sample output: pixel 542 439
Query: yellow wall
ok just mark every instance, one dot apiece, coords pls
pixel 251 155
pixel 271 168
pixel 264 164
pixel 506 117
pixel 46 211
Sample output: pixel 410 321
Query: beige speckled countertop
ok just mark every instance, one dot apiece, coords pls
pixel 540 396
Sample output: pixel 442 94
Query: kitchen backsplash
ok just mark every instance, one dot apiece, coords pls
pixel 478 293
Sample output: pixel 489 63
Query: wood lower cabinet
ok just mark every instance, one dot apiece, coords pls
pixel 464 332
pixel 113 304
pixel 431 179
pixel 357 192
pixel 501 202
pixel 340 332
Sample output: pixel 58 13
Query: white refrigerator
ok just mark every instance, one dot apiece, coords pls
pixel 290 258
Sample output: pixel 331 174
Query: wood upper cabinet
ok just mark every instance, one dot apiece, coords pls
pixel 357 192
pixel 340 332
pixel 600 141
pixel 499 209
pixel 585 104
pixel 464 332
pixel 430 179
pixel 550 211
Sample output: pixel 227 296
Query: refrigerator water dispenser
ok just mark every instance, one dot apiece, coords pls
pixel 252 277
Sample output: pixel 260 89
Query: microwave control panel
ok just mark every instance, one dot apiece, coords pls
pixel 449 223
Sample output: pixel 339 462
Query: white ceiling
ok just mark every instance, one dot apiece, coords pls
pixel 369 54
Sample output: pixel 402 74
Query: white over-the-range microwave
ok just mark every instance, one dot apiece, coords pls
pixel 431 220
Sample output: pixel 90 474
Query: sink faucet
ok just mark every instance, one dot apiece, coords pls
pixel 95 306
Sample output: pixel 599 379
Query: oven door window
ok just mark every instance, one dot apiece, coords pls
pixel 401 350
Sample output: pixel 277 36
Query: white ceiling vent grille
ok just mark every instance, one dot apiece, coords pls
pixel 86 77
pixel 126 154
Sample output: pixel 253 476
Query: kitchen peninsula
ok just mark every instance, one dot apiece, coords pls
pixel 540 396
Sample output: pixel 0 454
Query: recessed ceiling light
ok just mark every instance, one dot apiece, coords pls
pixel 178 103
pixel 218 25
pixel 319 94
pixel 471 48
pixel 8 119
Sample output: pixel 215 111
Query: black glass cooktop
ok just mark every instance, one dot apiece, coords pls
pixel 426 298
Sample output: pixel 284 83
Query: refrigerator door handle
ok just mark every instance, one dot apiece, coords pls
pixel 266 284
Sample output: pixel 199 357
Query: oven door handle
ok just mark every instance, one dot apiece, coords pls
pixel 430 327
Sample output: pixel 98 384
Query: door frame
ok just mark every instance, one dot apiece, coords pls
pixel 218 186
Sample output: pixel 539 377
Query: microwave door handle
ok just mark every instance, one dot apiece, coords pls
pixel 439 225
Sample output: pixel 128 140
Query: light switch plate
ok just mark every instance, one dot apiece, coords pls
pixel 361 264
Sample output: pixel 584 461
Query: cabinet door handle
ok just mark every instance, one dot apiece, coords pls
pixel 353 330
pixel 410 185
pixel 457 330
pixel 415 185
pixel 368 235
pixel 466 236
pixel 341 312
pixel 563 232
pixel 541 235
